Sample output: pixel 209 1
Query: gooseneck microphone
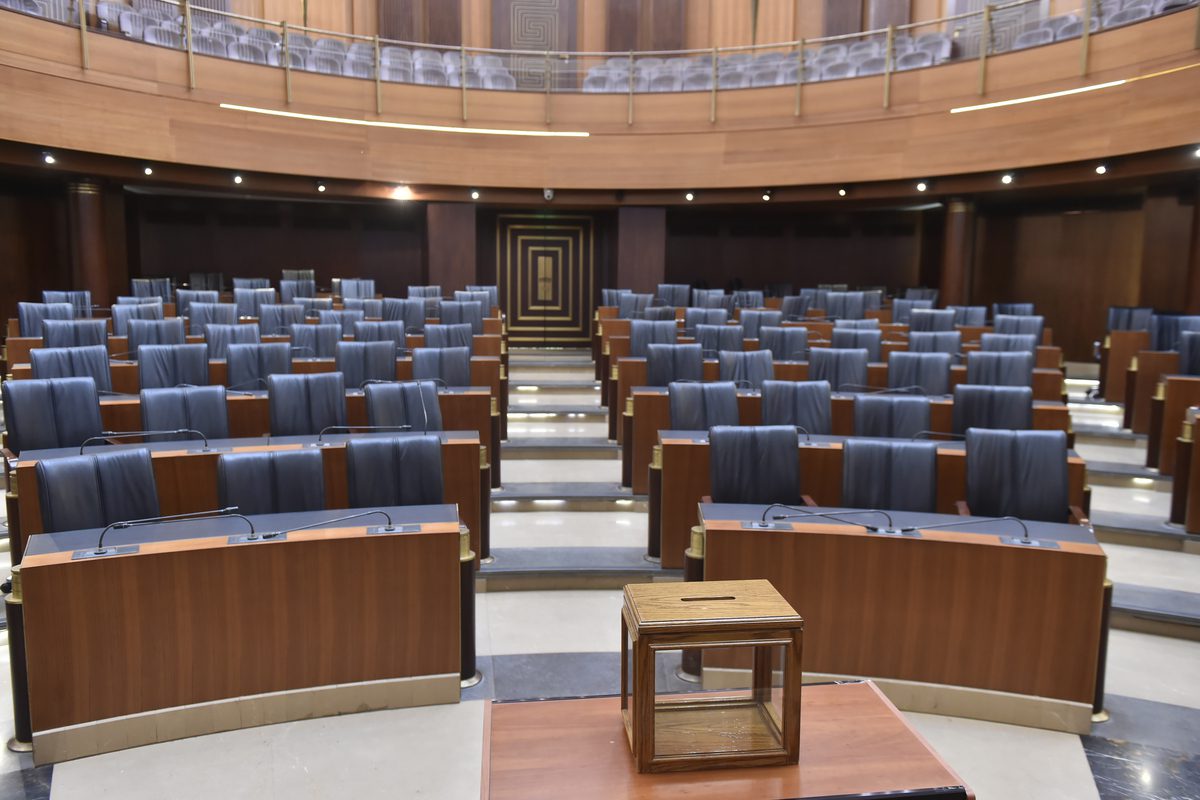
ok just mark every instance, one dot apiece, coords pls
pixel 353 428
pixel 834 515
pixel 391 528
pixel 105 435
pixel 168 519
pixel 980 521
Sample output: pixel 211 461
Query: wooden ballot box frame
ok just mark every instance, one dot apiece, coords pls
pixel 709 730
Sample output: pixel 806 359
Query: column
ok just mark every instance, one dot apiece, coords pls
pixel 89 250
pixel 957 252
pixel 1193 273
pixel 641 248
pixel 450 242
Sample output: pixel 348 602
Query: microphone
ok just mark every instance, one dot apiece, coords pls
pixel 389 528
pixel 834 515
pixel 255 382
pixel 295 347
pixel 807 435
pixel 926 434
pixel 1024 540
pixel 105 435
pixel 169 519
pixel 352 428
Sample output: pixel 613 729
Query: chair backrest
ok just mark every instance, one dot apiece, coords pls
pixel 185 297
pixel 699 406
pixel 845 305
pixel 290 289
pixel 1008 343
pixel 1165 330
pixel 859 338
pixel 392 331
pixel 251 283
pixel 450 365
pixel 456 335
pixel 1189 353
pixel 1008 407
pixel 938 342
pixel 152 287
pixel 272 483
pixel 631 306
pixel 304 405
pixel 921 293
pixel 249 301
pixel 46 413
pixel 346 318
pixel 928 372
pixel 612 297
pixel 785 344
pixel 220 337
pixel 275 319
pixel 358 287
pixel 673 294
pixel 360 362
pixel 749 299
pixel 154 331
pixel 410 312
pixel 74 332
pixel 80 300
pixel 902 309
pixel 372 307
pixel 716 338
pixel 898 476
pixel 203 314
pixel 400 403
pixel 455 312
pixel 394 471
pixel 840 367
pixel 1013 324
pixel 1000 369
pixel 249 366
pixel 746 368
pixel 969 315
pixel 1018 473
pixel 693 317
pixel 122 313
pixel 73 362
pixel 315 341
pixel 299 274
pixel 31 315
pixel 1128 318
pixel 931 319
pixel 659 313
pixel 1012 309
pixel 95 490
pixel 754 320
pixel 643 333
pixel 754 464
pixel 893 416
pixel 493 293
pixel 165 365
pixel 802 404
pixel 795 307
pixel 667 363
pixel 312 305
pixel 199 408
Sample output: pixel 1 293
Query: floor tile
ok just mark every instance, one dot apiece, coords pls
pixel 1134 501
pixel 529 401
pixel 568 529
pixel 584 470
pixel 1153 668
pixel 568 429
pixel 554 622
pixel 1144 566
pixel 1131 771
pixel 1146 722
pixel 1125 452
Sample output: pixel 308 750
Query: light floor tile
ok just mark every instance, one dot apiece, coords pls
pixel 1153 668
pixel 416 752
pixel 574 529
pixel 529 401
pixel 550 429
pixel 551 470
pixel 533 373
pixel 1097 416
pixel 1130 452
pixel 554 622
pixel 483 631
pixel 1000 762
pixel 1131 501
pixel 1159 569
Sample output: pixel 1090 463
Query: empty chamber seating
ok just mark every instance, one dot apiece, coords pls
pixel 1009 407
pixel 394 471
pixel 316 341
pixel 667 363
pixel 699 406
pixel 92 491
pixel 451 366
pixel 74 333
pixel 272 483
pixel 900 476
pixel 890 415
pixel 411 404
pixel 801 404
pixel 73 362
pixel 927 373
pixel 249 366
pixel 1018 473
pixel 44 414
pixel 748 369
pixel 754 464
pixel 198 408
pixel 220 337
pixel 843 369
pixel 165 365
pixel 305 405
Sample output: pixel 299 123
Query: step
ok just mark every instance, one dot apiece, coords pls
pixel 559 411
pixel 1121 473
pixel 1164 612
pixel 1101 432
pixel 1142 530
pixel 526 568
pixel 546 363
pixel 549 385
pixel 559 447
pixel 566 496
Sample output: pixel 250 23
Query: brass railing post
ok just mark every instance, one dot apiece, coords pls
pixel 187 35
pixel 712 106
pixel 378 79
pixel 889 50
pixel 85 59
pixel 287 63
pixel 462 77
pixel 799 78
pixel 549 80
pixel 629 102
pixel 985 44
pixel 1085 36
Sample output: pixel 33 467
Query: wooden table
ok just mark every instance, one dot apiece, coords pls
pixel 1118 352
pixel 1141 383
pixel 196 635
pixel 853 744
pixel 686 480
pixel 1180 392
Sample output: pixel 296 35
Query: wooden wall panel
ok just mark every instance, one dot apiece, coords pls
pixel 697 27
pixel 662 24
pixel 400 19
pixel 842 16
pixel 777 21
pixel 732 23
pixel 33 242
pixel 451 242
pixel 881 13
pixel 477 23
pixel 622 25
pixel 443 22
pixel 641 248
pixel 1164 264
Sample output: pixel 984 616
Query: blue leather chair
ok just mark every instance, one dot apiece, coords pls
pixel 1020 474
pixel 272 483
pixel 410 312
pixel 165 365
pixel 612 297
pixel 305 405
pixel 493 293
pixel 122 313
pixel 975 316
pixel 949 342
pixel 219 337
pixel 931 319
pixel 74 332
pixel 693 317
pixel 902 309
pixel 1189 353
pixel 315 341
pixel 43 414
pixel 80 300
pixel 95 490
pixel 754 320
pixel 667 363
pixel 424 291
pixel 358 287
pixel 411 403
pixel 890 416
pixel 185 297
pixel 643 333
pixel 631 306
pixel 1008 343
pixel 800 404
pixel 673 294
pixel 845 305
pixel 345 318
pixel 249 301
pixel 746 368
pixel 927 372
pixel 1006 407
pixel 251 283
pixel 201 315
pixel 715 338
pixel 795 307
pixel 1000 369
pixel 896 476
pixel 31 315
pixel 1012 309
pixel 754 464
pixel 871 324
pixel 249 366
pixel 73 362
pixel 371 307
pixel 712 298
pixel 313 305
pixel 450 365
pixel 275 318
pixel 1129 318
pixel 869 340
pixel 458 335
pixel 699 406
pixel 839 367
pixel 1025 324
pixel 198 408
pixel 152 331
pixel 659 314
pixel 289 290
pixel 153 287
pixel 394 471
pixel 363 362
pixel 455 312
pixel 748 298
pixel 382 332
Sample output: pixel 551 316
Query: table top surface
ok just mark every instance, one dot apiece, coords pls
pixel 726 603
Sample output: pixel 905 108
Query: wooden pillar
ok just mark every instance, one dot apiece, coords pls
pixel 450 242
pixel 641 248
pixel 1193 273
pixel 88 244
pixel 957 251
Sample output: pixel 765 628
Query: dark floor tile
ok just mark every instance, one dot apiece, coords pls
pixel 1147 722
pixel 31 783
pixel 532 677
pixel 1128 771
pixel 483 689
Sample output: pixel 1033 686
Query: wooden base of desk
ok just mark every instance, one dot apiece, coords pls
pixel 853 743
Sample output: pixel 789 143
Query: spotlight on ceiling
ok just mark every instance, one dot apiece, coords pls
pixel 922 186
pixel 148 170
pixel 320 187
pixel 690 196
pixel 474 194
pixel 402 193
pixel 1100 170
pixel 1197 153
pixel 48 157
pixel 237 179
pixel 841 192
pixel 767 194
pixel 1006 179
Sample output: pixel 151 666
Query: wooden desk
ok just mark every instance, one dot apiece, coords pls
pixel 1180 392
pixel 853 743
pixel 1142 378
pixel 1120 348
pixel 686 480
pixel 947 608
pixel 193 636
pixel 652 413
pixel 186 479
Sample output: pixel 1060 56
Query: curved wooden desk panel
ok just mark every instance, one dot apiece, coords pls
pixel 134 101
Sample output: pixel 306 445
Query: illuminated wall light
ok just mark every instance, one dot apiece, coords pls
pixel 1100 170
pixel 48 158
pixel 474 194
pixel 320 187
pixel 237 179
pixel 841 192
pixel 690 196
pixel 148 170
pixel 922 186
pixel 402 193
pixel 1197 153
pixel 767 195
pixel 1006 179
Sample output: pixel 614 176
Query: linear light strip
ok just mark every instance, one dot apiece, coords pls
pixel 1037 97
pixel 407 126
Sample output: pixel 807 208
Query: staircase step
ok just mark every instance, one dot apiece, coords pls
pixel 1085 431
pixel 1165 612
pixel 559 447
pixel 549 385
pixel 1121 473
pixel 576 496
pixel 558 411
pixel 517 568
pixel 1142 530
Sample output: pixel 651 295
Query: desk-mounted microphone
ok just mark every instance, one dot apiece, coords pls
pixel 106 435
pixel 1025 540
pixel 391 527
pixel 839 516
pixel 170 519
pixel 352 428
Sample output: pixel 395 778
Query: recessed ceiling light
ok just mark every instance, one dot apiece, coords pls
pixel 148 170
pixel 402 193
pixel 320 187
pixel 237 178
pixel 767 195
pixel 922 186
pixel 841 192
pixel 474 194
pixel 1100 170
pixel 48 158
pixel 1197 153
pixel 1006 179
pixel 689 197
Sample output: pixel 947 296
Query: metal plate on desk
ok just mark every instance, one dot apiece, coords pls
pixel 123 550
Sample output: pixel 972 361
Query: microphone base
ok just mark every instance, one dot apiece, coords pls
pixel 111 550
pixel 215 450
pixel 751 525
pixel 1019 542
pixel 257 538
pixel 382 529
pixel 894 533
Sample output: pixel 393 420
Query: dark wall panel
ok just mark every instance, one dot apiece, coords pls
pixel 641 248
pixel 843 16
pixel 400 19
pixel 881 13
pixel 451 242
pixel 33 242
pixel 443 22
pixel 662 24
pixel 432 21
pixel 1167 238
pixel 622 24
pixel 533 24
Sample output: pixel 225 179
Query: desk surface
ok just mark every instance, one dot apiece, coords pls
pixel 853 744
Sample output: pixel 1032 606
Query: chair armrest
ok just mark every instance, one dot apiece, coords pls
pixel 808 501
pixel 1077 516
pixel 706 498
pixel 962 508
